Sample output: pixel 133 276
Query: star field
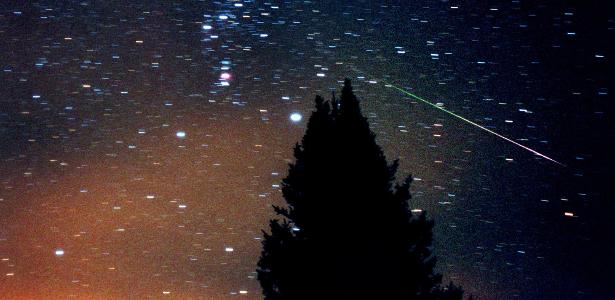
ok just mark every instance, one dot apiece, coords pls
pixel 144 142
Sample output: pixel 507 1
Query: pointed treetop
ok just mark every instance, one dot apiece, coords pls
pixel 347 83
pixel 347 89
pixel 319 101
pixel 348 100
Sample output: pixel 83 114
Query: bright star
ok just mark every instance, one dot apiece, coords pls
pixel 225 76
pixel 296 117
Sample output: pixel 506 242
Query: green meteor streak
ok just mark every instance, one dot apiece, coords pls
pixel 472 123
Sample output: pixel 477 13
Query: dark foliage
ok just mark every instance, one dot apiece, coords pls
pixel 347 232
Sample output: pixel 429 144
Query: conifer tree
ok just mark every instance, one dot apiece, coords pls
pixel 347 231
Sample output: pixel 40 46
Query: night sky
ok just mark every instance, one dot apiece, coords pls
pixel 143 142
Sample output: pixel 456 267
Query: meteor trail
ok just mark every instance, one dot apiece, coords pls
pixel 468 121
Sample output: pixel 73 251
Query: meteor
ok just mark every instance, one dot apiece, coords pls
pixel 405 92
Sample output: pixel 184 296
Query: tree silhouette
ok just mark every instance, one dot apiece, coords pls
pixel 347 231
